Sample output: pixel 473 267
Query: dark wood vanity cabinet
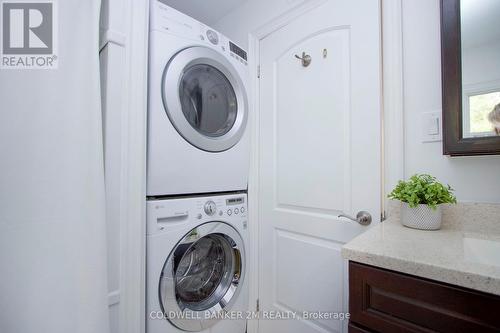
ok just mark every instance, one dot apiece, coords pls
pixel 386 301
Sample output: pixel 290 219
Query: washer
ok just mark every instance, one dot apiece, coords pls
pixel 198 138
pixel 197 264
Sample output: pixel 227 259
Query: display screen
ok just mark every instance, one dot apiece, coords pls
pixel 238 51
pixel 235 201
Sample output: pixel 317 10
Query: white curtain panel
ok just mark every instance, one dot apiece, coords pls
pixel 52 209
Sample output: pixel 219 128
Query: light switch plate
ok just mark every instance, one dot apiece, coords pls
pixel 431 126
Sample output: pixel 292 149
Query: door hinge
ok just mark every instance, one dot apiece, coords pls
pixel 258 71
pixel 383 216
pixel 257 306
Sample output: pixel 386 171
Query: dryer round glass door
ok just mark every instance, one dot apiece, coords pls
pixel 205 99
pixel 202 276
pixel 208 100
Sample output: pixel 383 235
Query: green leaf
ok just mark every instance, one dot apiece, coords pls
pixel 423 189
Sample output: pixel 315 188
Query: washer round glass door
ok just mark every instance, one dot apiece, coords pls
pixel 205 99
pixel 201 276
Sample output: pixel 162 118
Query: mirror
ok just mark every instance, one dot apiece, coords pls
pixel 480 40
pixel 470 33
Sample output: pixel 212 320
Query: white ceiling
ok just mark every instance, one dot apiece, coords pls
pixel 480 18
pixel 206 11
pixel 480 21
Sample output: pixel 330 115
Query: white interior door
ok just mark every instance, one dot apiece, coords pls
pixel 319 153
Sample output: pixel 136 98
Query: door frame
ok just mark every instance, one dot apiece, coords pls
pixel 392 126
pixel 132 40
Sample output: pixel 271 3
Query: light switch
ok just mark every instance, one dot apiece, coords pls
pixel 431 126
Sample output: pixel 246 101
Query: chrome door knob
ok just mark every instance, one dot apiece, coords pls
pixel 363 217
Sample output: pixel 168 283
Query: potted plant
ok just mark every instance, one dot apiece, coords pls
pixel 422 196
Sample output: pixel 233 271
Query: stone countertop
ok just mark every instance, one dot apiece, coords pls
pixel 464 252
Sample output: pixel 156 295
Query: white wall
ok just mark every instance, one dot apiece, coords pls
pixel 251 16
pixel 207 12
pixel 474 178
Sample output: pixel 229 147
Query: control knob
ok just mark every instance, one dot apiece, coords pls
pixel 210 208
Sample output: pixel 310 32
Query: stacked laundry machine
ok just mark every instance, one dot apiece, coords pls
pixel 197 170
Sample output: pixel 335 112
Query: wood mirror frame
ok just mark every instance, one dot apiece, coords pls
pixel 451 74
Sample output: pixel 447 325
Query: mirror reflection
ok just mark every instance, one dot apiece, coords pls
pixel 480 39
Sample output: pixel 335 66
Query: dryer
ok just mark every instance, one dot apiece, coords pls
pixel 198 138
pixel 197 264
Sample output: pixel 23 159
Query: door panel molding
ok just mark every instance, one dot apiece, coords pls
pixel 393 161
pixel 253 187
pixel 286 208
pixel 254 39
pixel 329 248
pixel 310 211
pixel 336 37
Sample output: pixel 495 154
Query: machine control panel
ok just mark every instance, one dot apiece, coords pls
pixel 235 201
pixel 162 213
pixel 166 19
pixel 235 49
pixel 233 206
pixel 210 208
pixel 213 37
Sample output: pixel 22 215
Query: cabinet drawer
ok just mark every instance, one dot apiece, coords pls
pixel 353 328
pixel 387 301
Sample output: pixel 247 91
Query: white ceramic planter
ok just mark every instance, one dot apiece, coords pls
pixel 421 217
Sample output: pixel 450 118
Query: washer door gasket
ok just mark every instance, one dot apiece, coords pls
pixel 202 276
